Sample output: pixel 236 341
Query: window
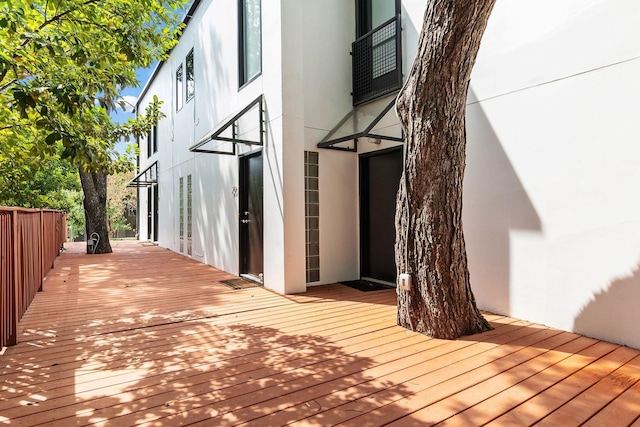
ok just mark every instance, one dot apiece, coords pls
pixel 189 215
pixel 181 184
pixel 376 53
pixel 154 132
pixel 152 141
pixel 149 146
pixel 191 88
pixel 250 44
pixel 312 216
pixel 179 88
pixel 373 13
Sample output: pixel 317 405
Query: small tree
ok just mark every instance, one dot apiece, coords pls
pixel 429 240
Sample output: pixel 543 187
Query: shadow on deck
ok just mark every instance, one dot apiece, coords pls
pixel 146 336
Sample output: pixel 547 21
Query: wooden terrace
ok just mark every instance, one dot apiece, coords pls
pixel 148 337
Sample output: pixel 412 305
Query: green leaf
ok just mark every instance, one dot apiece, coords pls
pixel 52 138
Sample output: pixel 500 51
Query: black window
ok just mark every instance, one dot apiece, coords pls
pixel 250 43
pixel 191 88
pixel 376 53
pixel 370 14
pixel 179 88
pixel 152 141
pixel 154 138
pixel 149 145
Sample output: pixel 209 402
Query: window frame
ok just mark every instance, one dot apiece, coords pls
pixel 149 145
pixel 179 79
pixel 376 53
pixel 181 213
pixel 189 215
pixel 243 78
pixel 152 141
pixel 364 16
pixel 190 87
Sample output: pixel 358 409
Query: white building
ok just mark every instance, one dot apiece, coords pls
pixel 241 173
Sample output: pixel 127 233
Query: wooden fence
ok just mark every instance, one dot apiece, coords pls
pixel 30 241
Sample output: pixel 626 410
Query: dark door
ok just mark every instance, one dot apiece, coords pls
pixel 251 218
pixel 380 174
pixel 149 213
pixel 152 213
pixel 155 213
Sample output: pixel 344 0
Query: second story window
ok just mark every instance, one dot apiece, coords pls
pixel 152 141
pixel 376 53
pixel 373 13
pixel 191 88
pixel 250 43
pixel 179 88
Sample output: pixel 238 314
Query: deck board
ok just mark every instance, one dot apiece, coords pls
pixel 145 336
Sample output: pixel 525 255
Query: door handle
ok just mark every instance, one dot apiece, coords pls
pixel 245 221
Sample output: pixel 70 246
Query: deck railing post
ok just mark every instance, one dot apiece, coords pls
pixel 14 303
pixel 42 251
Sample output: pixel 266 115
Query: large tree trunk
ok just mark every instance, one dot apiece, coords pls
pixel 94 186
pixel 429 240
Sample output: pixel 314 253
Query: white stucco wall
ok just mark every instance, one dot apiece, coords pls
pixel 552 224
pixel 164 132
pixel 328 31
pixel 213 34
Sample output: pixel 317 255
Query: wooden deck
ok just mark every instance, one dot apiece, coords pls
pixel 144 336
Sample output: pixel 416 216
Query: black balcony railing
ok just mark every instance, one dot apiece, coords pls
pixel 377 62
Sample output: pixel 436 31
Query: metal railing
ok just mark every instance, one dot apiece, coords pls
pixel 377 62
pixel 30 241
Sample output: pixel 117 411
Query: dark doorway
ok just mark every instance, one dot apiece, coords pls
pixel 152 213
pixel 155 213
pixel 251 216
pixel 380 174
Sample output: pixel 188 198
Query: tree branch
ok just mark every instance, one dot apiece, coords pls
pixel 61 15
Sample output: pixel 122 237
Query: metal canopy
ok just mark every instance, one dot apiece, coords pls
pixel 239 128
pixel 360 123
pixel 146 178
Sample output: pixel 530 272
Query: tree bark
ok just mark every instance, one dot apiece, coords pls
pixel 94 186
pixel 429 239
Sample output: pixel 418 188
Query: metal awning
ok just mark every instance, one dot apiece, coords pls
pixel 364 122
pixel 146 178
pixel 244 127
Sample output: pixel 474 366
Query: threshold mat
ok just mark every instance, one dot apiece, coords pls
pixel 240 283
pixel 366 286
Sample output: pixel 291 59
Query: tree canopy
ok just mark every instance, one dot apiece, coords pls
pixel 63 64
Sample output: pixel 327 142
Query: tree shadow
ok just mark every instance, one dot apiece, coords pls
pixel 209 371
pixel 495 206
pixel 612 314
pixel 250 356
pixel 114 351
